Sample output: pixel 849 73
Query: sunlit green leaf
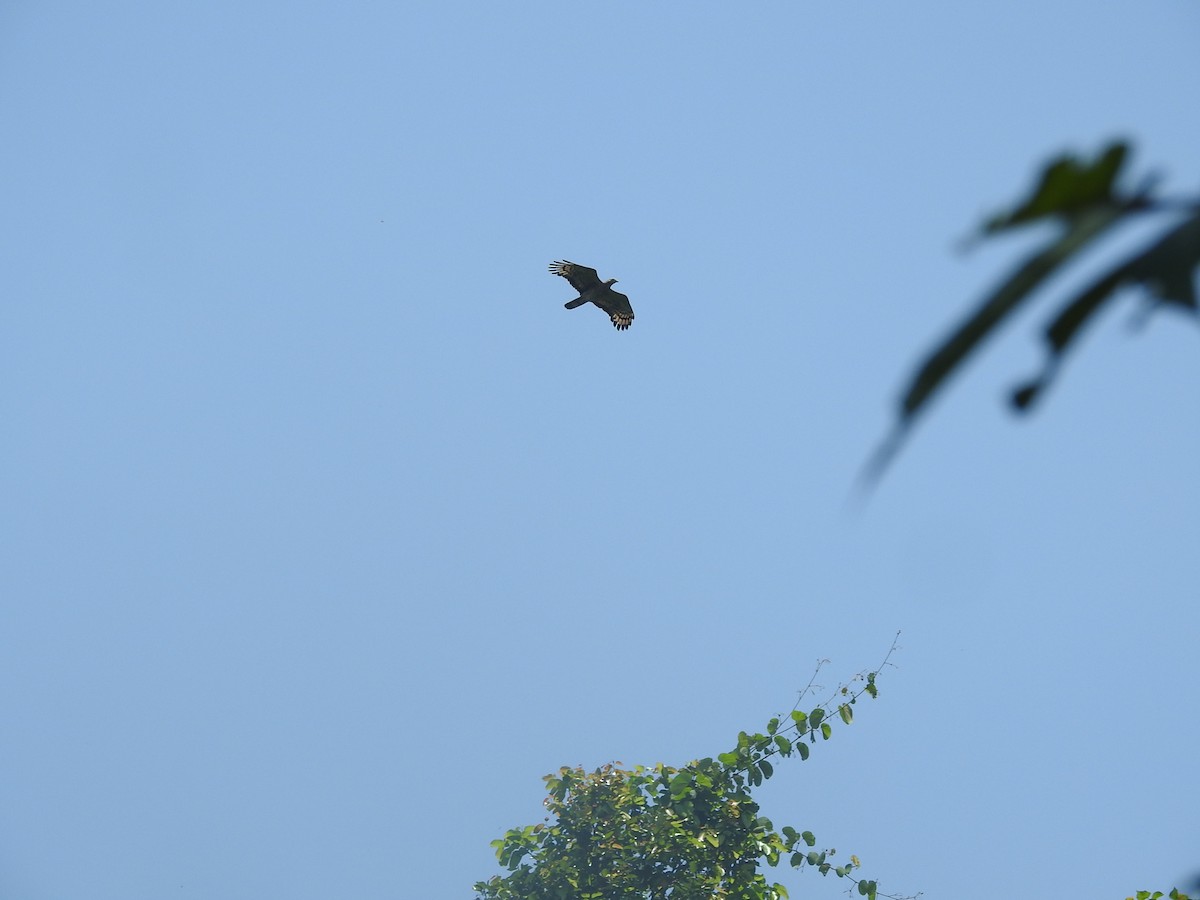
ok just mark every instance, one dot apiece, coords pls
pixel 681 784
pixel 689 831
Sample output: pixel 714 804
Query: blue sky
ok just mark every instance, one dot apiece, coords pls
pixel 328 531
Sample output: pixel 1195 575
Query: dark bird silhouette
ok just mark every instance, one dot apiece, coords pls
pixel 593 290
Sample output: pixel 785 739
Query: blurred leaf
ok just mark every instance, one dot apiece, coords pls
pixel 1084 199
pixel 1166 269
pixel 947 358
pixel 1068 186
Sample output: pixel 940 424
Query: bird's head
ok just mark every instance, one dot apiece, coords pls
pixel 611 282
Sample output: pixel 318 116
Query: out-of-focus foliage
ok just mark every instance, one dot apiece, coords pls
pixel 1085 199
pixel 684 833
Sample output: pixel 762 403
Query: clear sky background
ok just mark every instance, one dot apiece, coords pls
pixel 327 531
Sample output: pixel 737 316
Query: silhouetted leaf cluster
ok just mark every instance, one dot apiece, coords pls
pixel 1085 199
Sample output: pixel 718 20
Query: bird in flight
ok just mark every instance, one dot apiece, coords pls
pixel 593 290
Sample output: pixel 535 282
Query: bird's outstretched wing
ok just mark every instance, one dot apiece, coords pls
pixel 581 278
pixel 617 306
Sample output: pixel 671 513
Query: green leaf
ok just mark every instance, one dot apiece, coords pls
pixel 1068 186
pixel 826 731
pixel 947 358
pixel 681 784
pixel 846 713
pixel 802 749
pixel 784 745
pixel 693 830
pixel 1166 269
pixel 799 718
pixel 773 726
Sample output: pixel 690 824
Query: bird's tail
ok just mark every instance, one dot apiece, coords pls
pixel 578 301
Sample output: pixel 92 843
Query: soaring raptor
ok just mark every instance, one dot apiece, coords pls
pixel 593 290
